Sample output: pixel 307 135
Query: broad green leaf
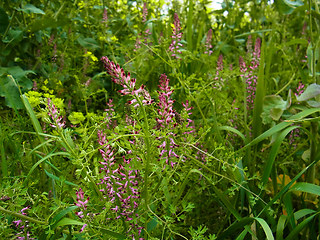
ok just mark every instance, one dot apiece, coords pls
pixel 4 21
pixel 9 85
pixel 302 213
pixel 273 107
pixel 296 3
pixel 60 215
pixel 13 36
pixel 68 221
pixel 314 104
pixel 88 43
pixel 10 92
pixel 287 6
pixel 29 8
pixel 306 187
pixel 312 91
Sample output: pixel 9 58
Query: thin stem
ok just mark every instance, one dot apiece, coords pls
pixel 21 216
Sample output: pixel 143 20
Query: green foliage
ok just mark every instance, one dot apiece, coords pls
pixel 237 158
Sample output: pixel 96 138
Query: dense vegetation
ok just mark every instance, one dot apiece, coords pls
pixel 159 120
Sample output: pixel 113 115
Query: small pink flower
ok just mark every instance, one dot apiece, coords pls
pixel 176 37
pixel 54 113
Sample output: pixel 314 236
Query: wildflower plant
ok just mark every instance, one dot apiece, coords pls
pixel 176 45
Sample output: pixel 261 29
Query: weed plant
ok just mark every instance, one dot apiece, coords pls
pixel 159 120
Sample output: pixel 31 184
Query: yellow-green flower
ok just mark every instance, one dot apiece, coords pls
pixel 76 117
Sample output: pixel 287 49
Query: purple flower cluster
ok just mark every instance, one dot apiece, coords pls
pixel 144 12
pixel 128 83
pixel 218 80
pixel 120 185
pixel 249 72
pixel 105 16
pixel 190 123
pixel 295 133
pixel 146 33
pixel 300 89
pixel 54 113
pixel 81 202
pixel 176 37
pixel 208 44
pixel 165 104
pixel 23 225
pixel 166 114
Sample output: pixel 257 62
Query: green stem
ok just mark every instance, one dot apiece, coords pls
pixel 4 165
pixel 145 128
pixel 21 216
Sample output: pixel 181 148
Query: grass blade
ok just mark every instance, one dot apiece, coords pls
pixel 280 126
pixel 42 160
pixel 273 153
pixel 294 233
pixel 231 129
pixel 280 227
pixel 266 228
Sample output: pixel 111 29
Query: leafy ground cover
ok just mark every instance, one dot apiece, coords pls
pixel 159 120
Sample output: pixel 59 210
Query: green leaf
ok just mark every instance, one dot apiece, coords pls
pixel 29 8
pixel 13 36
pixel 302 213
pixel 50 175
pixel 68 221
pixel 314 104
pixel 293 4
pixel 111 233
pixel 266 228
pixel 273 153
pixel 88 43
pixel 312 91
pixel 9 85
pixel 231 129
pixel 273 107
pixel 10 92
pixel 280 227
pixel 47 22
pixel 287 7
pixel 235 226
pixel 294 233
pixel 42 160
pixel 60 215
pixel 152 224
pixel 306 187
pixel 280 126
pixel 4 21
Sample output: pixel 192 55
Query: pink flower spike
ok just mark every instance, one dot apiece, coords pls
pixel 83 227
